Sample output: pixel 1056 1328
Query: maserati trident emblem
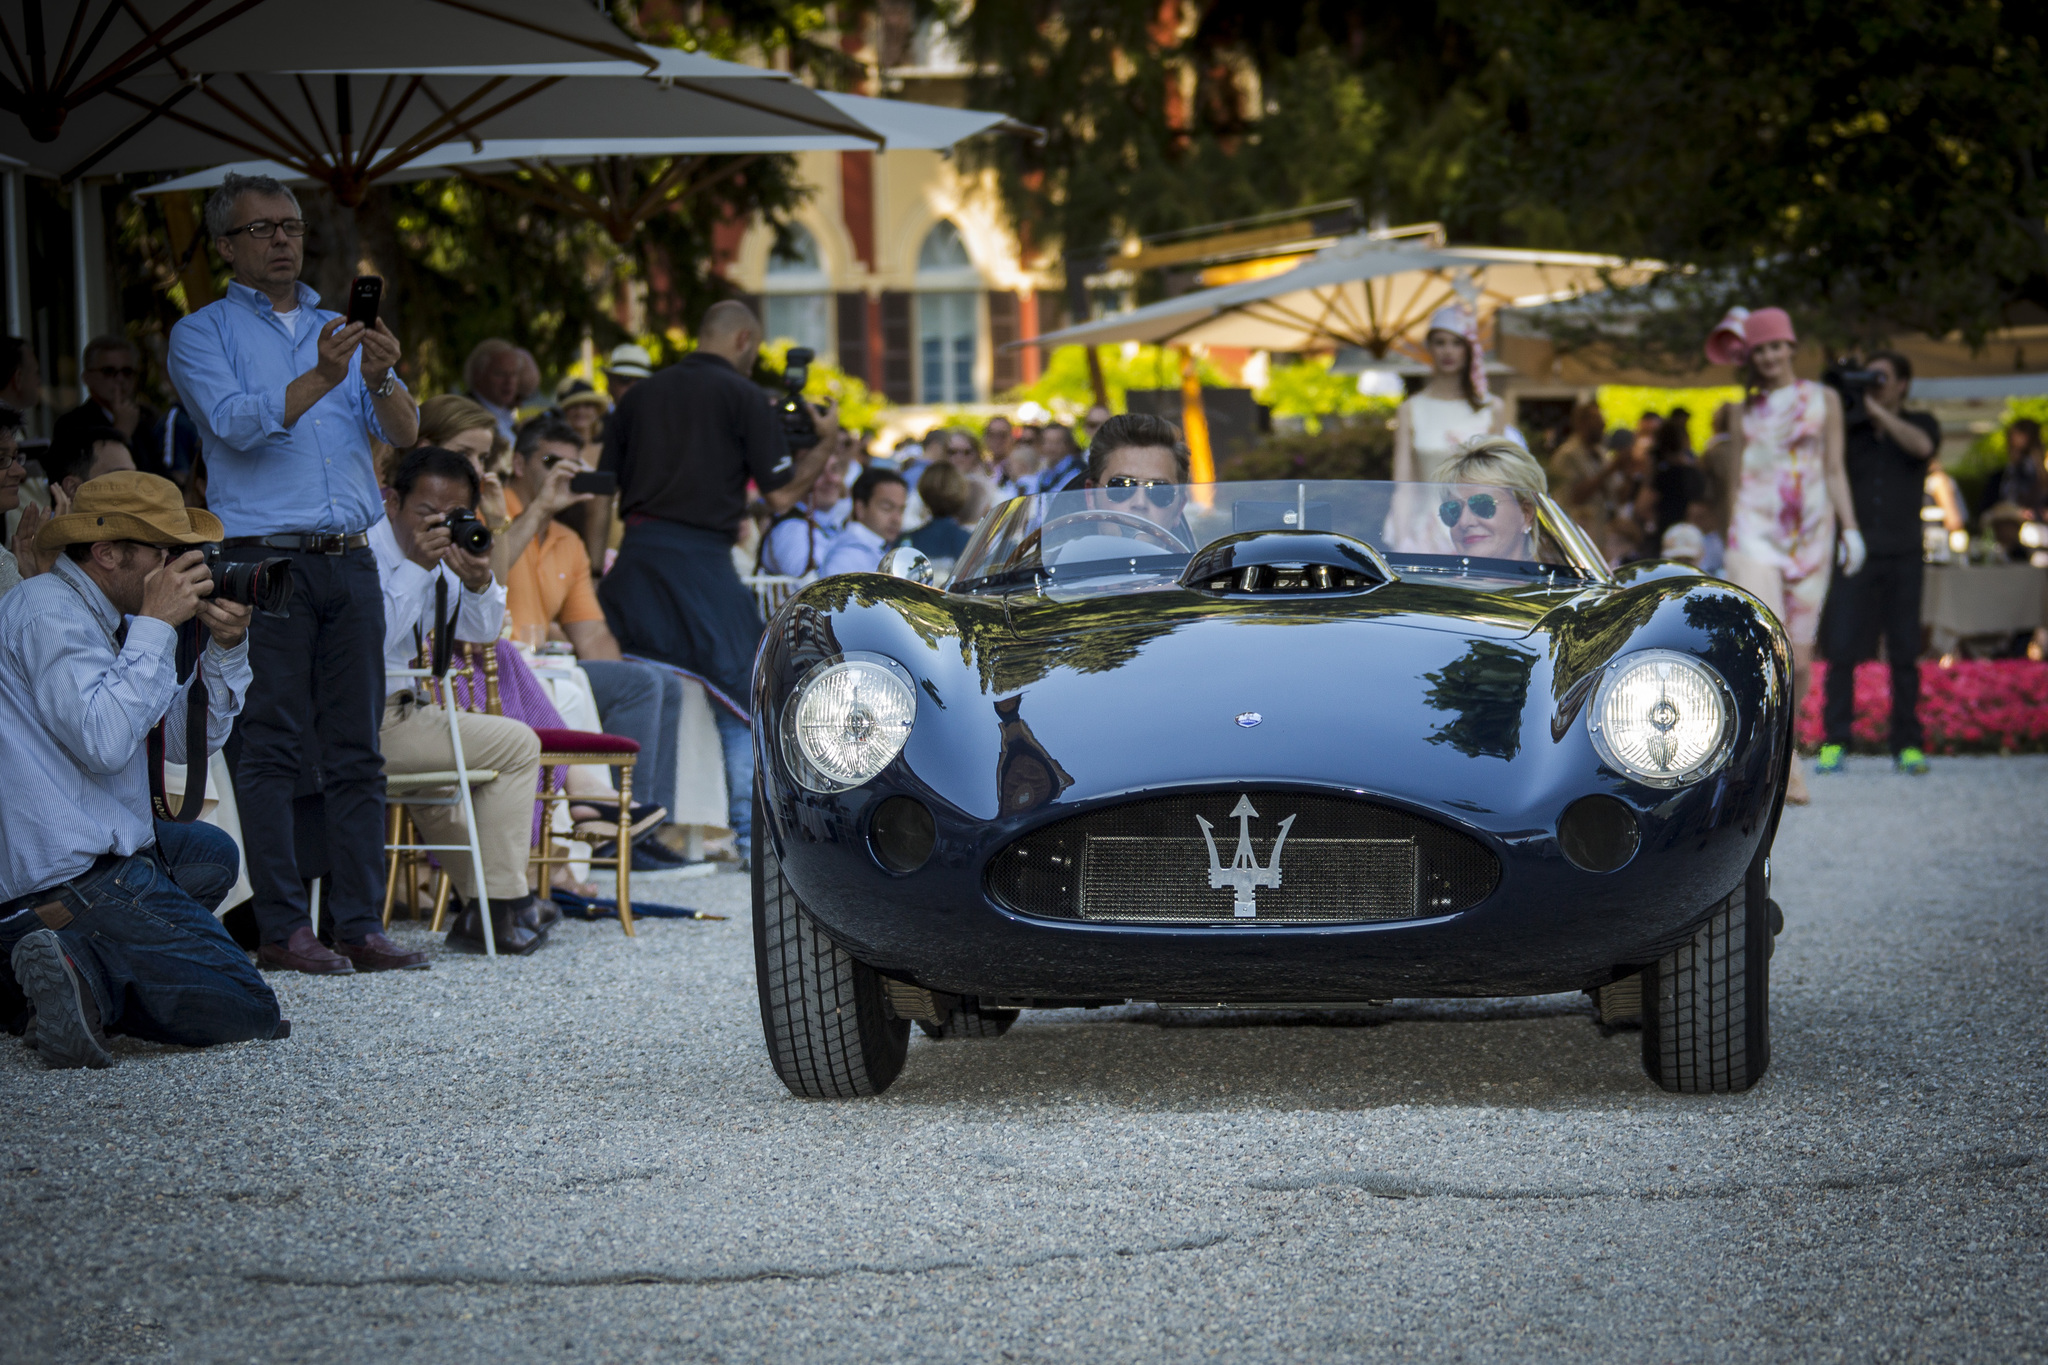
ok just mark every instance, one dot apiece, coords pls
pixel 1244 875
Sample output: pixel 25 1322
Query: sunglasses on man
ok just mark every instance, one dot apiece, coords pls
pixel 117 371
pixel 1159 492
pixel 1482 504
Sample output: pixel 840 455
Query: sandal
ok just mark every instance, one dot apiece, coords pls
pixel 601 831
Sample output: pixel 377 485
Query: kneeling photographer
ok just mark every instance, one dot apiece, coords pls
pixel 1885 451
pixel 434 562
pixel 106 913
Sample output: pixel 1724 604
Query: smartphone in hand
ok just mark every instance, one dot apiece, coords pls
pixel 363 297
pixel 596 481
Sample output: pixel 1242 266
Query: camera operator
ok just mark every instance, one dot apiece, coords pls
pixel 683 444
pixel 1885 450
pixel 106 914
pixel 288 398
pixel 428 576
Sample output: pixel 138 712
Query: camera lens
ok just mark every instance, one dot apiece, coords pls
pixel 265 584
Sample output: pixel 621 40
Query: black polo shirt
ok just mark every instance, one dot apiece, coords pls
pixel 685 440
pixel 1888 485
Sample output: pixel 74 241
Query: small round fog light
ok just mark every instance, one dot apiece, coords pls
pixel 1598 833
pixel 901 834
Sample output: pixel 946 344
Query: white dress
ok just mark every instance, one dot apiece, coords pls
pixel 1439 427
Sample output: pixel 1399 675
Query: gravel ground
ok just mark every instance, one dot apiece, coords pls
pixel 584 1155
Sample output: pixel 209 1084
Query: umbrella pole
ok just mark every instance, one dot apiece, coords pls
pixel 1194 420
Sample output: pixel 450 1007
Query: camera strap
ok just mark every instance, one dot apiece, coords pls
pixel 197 703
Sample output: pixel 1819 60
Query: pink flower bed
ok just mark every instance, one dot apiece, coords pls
pixel 1974 706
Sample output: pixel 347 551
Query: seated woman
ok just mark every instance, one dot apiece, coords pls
pixel 1484 509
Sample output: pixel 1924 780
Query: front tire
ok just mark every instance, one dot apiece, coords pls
pixel 822 1010
pixel 1706 1004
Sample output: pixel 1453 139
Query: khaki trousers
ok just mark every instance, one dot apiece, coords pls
pixel 414 739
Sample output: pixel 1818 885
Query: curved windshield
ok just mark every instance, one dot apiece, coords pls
pixel 1143 530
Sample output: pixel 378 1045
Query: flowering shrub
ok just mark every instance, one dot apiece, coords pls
pixel 1973 706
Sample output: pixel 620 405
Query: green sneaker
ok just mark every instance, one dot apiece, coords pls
pixel 1830 760
pixel 1911 762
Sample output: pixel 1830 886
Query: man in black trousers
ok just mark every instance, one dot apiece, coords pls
pixel 287 398
pixel 1886 450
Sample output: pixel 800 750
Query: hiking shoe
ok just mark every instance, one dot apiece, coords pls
pixel 67 1017
pixel 1911 762
pixel 1830 760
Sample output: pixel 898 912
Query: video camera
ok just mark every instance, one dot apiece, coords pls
pixel 265 584
pixel 797 422
pixel 468 532
pixel 1854 383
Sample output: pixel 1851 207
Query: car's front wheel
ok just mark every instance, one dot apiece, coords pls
pixel 1707 1003
pixel 822 1011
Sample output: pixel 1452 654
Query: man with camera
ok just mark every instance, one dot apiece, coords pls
pixel 288 398
pixel 434 568
pixel 106 914
pixel 684 443
pixel 1885 451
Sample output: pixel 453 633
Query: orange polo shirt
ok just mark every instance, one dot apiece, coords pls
pixel 551 581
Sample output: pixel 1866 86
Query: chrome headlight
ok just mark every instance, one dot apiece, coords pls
pixel 1662 718
pixel 846 720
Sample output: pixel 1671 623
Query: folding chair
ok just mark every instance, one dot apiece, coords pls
pixel 415 788
pixel 771 590
pixel 564 749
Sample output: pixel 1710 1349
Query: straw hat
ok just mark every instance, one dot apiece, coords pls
pixel 574 391
pixel 130 505
pixel 629 360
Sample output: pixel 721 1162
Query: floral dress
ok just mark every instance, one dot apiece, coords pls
pixel 1782 515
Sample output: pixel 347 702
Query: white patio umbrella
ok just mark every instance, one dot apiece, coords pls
pixel 348 130
pixel 75 54
pixel 551 163
pixel 1369 293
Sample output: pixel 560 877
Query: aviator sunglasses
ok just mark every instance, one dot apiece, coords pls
pixel 1122 488
pixel 1482 504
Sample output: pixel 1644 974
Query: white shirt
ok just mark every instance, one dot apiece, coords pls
pixel 854 550
pixel 409 600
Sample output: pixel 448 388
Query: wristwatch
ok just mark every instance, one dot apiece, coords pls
pixel 388 387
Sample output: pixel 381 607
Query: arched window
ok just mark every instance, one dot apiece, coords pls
pixel 948 317
pixel 795 303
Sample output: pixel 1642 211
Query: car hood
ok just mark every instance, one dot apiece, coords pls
pixel 1428 690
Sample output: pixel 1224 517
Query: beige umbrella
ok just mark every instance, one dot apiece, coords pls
pixel 1370 293
pixel 61 58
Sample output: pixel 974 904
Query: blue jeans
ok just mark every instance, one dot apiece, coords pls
pixel 159 965
pixel 645 704
pixel 736 737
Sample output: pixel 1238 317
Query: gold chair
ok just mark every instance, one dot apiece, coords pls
pixel 561 749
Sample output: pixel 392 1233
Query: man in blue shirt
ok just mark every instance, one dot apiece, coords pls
pixel 287 398
pixel 106 921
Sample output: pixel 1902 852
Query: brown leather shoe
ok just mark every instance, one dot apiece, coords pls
pixel 302 952
pixel 540 915
pixel 376 953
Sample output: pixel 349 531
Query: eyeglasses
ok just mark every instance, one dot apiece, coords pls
pixel 264 228
pixel 1159 492
pixel 117 371
pixel 1482 504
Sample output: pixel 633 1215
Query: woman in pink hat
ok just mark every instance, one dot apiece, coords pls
pixel 1794 489
pixel 1432 426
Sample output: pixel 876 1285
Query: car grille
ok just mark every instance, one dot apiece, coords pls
pixel 1147 862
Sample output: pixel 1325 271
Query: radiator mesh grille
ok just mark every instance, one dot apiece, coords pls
pixel 1147 862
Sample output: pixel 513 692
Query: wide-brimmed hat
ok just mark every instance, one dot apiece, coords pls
pixel 129 505
pixel 574 391
pixel 630 360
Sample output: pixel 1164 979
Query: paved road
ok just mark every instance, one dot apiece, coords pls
pixel 584 1156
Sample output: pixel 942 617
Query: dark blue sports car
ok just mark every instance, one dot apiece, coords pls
pixel 1266 744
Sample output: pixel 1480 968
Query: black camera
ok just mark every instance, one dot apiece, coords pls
pixel 1853 383
pixel 265 584
pixel 471 534
pixel 797 422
